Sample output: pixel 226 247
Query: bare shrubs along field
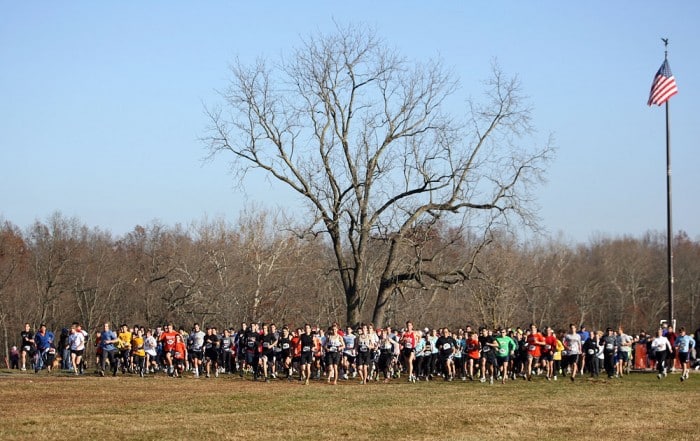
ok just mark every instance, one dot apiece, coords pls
pixel 59 406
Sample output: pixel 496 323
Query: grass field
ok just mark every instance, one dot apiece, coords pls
pixel 60 406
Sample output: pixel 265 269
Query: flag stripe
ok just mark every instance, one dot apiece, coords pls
pixel 663 87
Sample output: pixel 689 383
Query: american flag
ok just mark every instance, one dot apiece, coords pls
pixel 663 87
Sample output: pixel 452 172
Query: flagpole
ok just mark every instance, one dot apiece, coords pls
pixel 669 218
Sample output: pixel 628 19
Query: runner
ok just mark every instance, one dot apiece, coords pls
pixel 433 357
pixel 252 350
pixel 609 343
pixel 268 343
pixel 408 343
pixel 306 343
pixel 124 348
pixel 167 339
pixel 240 348
pixel 226 352
pixel 684 345
pixel 179 355
pixel 107 341
pixel 211 351
pixel 195 346
pixel 624 350
pixel 43 340
pixel 488 355
pixel 592 347
pixel 319 365
pixel 283 352
pixel 661 347
pixel 535 342
pixel 386 347
pixel 558 355
pixel 505 350
pixel 150 347
pixel 460 357
pixel 473 353
pixel 573 348
pixel 28 346
pixel 333 346
pixel 76 343
pixel 138 352
pixel 365 346
pixel 349 354
pixel 550 343
pixel 446 345
pixel 295 343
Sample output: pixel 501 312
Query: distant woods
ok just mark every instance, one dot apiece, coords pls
pixel 60 271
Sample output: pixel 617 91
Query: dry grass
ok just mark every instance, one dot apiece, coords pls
pixel 60 406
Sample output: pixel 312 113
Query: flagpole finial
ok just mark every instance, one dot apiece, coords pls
pixel 665 40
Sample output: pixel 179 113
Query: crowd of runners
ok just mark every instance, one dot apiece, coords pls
pixel 265 352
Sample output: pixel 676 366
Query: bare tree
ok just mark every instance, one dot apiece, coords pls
pixel 52 247
pixel 364 136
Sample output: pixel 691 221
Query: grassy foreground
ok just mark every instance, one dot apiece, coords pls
pixel 59 406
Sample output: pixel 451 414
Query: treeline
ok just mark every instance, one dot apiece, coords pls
pixel 60 271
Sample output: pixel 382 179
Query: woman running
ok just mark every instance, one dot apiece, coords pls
pixel 334 346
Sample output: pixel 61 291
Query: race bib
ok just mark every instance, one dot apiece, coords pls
pixel 408 345
pixel 306 349
pixel 591 352
pixel 532 347
pixel 285 345
pixel 446 347
pixel 609 346
pixel 333 349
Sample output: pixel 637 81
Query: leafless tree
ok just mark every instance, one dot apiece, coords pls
pixel 365 137
pixel 52 246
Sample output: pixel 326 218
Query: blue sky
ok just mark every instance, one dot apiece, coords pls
pixel 102 102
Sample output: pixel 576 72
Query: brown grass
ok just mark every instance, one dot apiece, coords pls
pixel 59 406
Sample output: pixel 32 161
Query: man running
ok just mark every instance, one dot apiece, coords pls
pixel 283 351
pixel 167 338
pixel 535 343
pixel 195 344
pixel 684 345
pixel 306 342
pixel 506 349
pixel 269 343
pixel 108 340
pixel 573 347
pixel 488 355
